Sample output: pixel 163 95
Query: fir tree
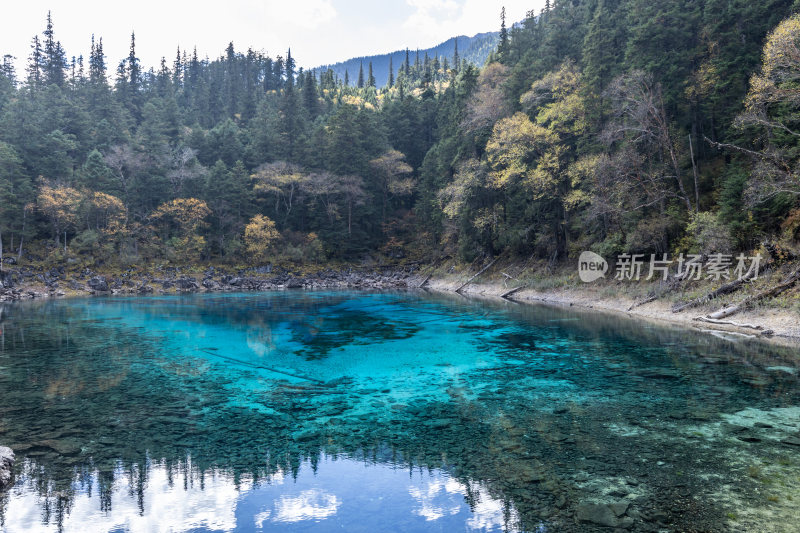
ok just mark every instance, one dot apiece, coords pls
pixel 371 77
pixel 361 76
pixel 54 57
pixel 390 81
pixel 502 47
pixel 34 68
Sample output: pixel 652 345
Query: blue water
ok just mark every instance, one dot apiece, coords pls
pixel 352 411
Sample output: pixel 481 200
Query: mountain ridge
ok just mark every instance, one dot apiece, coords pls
pixel 474 49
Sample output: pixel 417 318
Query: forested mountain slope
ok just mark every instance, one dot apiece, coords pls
pixel 611 125
pixel 474 50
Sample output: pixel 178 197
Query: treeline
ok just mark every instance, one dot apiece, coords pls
pixel 612 125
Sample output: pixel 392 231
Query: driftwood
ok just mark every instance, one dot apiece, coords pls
pixel 728 288
pixel 728 323
pixel 507 294
pixel 643 302
pixel 424 281
pixel 484 269
pixel 508 277
pixel 788 283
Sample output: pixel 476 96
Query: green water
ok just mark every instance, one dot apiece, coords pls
pixel 349 411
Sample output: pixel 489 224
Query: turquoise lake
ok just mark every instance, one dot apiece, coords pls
pixel 391 411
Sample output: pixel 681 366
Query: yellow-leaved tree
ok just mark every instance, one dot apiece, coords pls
pixel 259 236
pixel 60 205
pixel 178 223
pixel 772 114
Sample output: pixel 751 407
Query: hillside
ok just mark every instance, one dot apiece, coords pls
pixel 473 49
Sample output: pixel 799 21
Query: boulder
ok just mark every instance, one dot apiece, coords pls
pixel 210 284
pixel 187 284
pixel 6 461
pixel 144 289
pixel 294 283
pixel 600 514
pixel 98 284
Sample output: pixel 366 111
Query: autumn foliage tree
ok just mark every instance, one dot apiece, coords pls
pixel 772 114
pixel 177 223
pixel 60 205
pixel 259 236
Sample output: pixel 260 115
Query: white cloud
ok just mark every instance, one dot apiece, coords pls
pixel 312 504
pixel 318 31
pixel 433 19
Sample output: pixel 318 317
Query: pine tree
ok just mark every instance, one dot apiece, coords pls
pixel 371 77
pixel 390 81
pixel 177 69
pixel 133 67
pixel 129 82
pixel 290 64
pixel 456 59
pixel 97 63
pixel 310 94
pixel 502 47
pixel 361 76
pixel 55 61
pixel 407 66
pixel 34 68
pixel 346 78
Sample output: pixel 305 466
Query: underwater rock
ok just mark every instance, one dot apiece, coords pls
pixel 6 460
pixel 792 441
pixel 599 513
pixel 60 446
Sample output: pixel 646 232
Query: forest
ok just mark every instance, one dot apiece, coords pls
pixel 607 125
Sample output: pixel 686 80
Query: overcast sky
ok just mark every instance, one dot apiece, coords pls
pixel 318 31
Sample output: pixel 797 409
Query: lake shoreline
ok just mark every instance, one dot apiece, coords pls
pixel 780 326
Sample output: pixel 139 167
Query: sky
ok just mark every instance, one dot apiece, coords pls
pixel 318 31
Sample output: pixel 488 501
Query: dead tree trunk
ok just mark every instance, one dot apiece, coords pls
pixel 484 269
pixel 728 288
pixel 788 283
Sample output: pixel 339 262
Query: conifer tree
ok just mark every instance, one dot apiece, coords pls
pixel 54 57
pixel 390 81
pixel 34 68
pixel 502 47
pixel 371 77
pixel 177 70
pixel 361 76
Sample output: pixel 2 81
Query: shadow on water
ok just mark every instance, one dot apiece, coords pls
pixel 278 410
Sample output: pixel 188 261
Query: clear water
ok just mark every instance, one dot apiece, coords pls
pixel 352 411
